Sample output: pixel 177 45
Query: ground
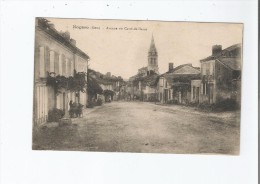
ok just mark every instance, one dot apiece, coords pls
pixel 144 127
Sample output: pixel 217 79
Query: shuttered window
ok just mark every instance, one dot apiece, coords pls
pixel 42 63
pixel 52 59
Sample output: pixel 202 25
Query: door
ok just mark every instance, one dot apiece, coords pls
pixel 63 100
pixel 211 93
pixel 197 94
pixel 165 95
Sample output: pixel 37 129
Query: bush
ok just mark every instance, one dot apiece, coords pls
pixel 152 99
pixel 205 106
pixel 192 104
pixel 224 105
pixel 55 115
pixel 99 102
pixel 172 101
pixel 90 104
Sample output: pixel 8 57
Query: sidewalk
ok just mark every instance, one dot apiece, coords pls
pixel 195 110
pixel 85 112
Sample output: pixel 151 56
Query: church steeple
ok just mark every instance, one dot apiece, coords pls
pixel 153 57
pixel 152 49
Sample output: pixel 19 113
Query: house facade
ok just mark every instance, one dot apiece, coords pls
pixel 55 54
pixel 112 87
pixel 165 91
pixel 175 85
pixel 220 76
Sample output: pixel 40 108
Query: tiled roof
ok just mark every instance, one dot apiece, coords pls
pixel 233 63
pixel 233 47
pixel 185 72
pixel 173 78
pixel 103 79
pixel 221 54
pixel 45 26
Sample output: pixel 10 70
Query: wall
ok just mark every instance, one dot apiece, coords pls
pixel 223 82
pixel 52 56
pixel 195 85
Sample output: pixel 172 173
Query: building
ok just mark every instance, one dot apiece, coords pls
pixel 56 54
pixel 220 76
pixel 174 85
pixel 141 86
pixel 111 86
pixel 152 66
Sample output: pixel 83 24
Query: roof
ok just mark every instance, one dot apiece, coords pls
pixel 172 78
pixel 143 68
pixel 232 63
pixel 44 25
pixel 103 79
pixel 149 80
pixel 185 72
pixel 188 69
pixel 152 46
pixel 233 47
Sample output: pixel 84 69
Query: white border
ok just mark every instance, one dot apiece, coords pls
pixel 19 164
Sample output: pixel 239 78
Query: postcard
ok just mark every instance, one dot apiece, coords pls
pixel 137 86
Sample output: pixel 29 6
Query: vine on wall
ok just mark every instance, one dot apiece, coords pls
pixel 74 83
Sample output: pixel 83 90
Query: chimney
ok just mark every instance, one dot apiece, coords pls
pixel 171 67
pixel 52 26
pixel 67 35
pixel 216 49
pixel 108 74
pixel 73 42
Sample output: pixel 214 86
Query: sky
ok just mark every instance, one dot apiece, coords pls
pixel 113 47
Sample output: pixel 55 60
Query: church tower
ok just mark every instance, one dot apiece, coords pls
pixel 153 58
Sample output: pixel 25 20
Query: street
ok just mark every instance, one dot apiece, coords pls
pixel 144 127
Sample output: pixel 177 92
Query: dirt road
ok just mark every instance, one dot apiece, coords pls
pixel 145 127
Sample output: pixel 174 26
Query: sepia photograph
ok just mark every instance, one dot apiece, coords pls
pixel 137 86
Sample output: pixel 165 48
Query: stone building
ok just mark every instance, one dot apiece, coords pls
pixel 174 85
pixel 55 54
pixel 220 76
pixel 108 83
pixel 141 86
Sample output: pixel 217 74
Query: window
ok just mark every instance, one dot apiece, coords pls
pixel 63 61
pixel 194 92
pixel 67 67
pixel 203 69
pixel 52 58
pixel 56 63
pixel 207 69
pixel 71 68
pixel 205 88
pixel 211 70
pixel 161 82
pixel 41 64
pixel 60 65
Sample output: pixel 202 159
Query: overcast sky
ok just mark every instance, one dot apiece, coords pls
pixel 123 52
